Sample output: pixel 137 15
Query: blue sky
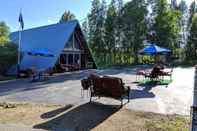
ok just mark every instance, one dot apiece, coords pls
pixel 41 12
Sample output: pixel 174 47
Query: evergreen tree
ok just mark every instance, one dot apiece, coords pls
pixel 8 51
pixel 134 19
pixel 192 11
pixel 67 16
pixel 191 48
pixel 183 6
pixel 92 23
pixel 183 23
pixel 110 31
pixel 96 21
pixel 85 29
pixel 120 5
pixel 165 25
pixel 8 56
pixel 119 32
pixel 174 4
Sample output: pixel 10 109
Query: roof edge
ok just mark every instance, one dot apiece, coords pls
pixel 75 20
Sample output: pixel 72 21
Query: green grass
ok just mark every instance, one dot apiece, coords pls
pixel 154 82
pixel 6 78
pixel 176 123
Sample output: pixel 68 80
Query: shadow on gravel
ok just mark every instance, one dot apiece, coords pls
pixel 26 85
pixel 84 117
pixel 56 112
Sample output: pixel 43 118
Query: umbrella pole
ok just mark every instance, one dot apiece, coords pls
pixel 156 59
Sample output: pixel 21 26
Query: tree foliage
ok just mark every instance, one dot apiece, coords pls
pixel 8 50
pixel 183 23
pixel 110 31
pixel 67 15
pixel 192 11
pixel 135 26
pixel 166 24
pixel 8 56
pixel 96 20
pixel 191 48
pixel 117 32
pixel 4 32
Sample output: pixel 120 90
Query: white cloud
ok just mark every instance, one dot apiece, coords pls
pixel 49 21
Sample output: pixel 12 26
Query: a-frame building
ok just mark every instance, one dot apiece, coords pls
pixel 65 40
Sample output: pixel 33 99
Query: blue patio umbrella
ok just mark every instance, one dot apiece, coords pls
pixel 41 52
pixel 154 50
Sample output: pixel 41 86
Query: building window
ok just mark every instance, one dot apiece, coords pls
pixel 73 43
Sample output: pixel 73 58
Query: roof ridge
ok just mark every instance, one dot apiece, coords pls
pixel 70 21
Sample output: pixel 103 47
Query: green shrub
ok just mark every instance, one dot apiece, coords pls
pixel 8 56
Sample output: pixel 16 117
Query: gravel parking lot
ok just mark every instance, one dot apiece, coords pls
pixel 176 98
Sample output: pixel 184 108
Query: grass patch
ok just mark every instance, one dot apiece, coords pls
pixel 128 120
pixel 185 63
pixel 6 78
pixel 153 82
pixel 172 123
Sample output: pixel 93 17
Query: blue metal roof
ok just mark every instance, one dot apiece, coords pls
pixel 52 38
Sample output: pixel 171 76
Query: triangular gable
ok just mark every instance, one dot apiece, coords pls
pixel 52 38
pixel 85 45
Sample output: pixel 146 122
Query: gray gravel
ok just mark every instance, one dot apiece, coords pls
pixel 176 98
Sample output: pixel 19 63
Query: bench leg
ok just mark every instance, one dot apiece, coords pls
pixel 82 93
pixel 136 78
pixel 87 92
pixel 90 99
pixel 121 101
pixel 128 96
pixel 170 77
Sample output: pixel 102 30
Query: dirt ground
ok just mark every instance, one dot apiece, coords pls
pixel 127 120
pixel 96 117
pixel 24 113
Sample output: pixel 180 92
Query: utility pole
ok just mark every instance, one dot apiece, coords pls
pixel 21 26
pixel 19 52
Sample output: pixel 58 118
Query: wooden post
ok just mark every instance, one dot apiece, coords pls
pixel 66 58
pixel 80 60
pixel 73 54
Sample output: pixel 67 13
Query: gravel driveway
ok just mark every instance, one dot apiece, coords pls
pixel 66 89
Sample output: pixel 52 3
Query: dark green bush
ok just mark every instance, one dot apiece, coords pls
pixel 8 57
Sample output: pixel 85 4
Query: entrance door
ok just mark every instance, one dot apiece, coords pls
pixel 70 59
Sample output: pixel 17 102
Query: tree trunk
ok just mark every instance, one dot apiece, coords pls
pixel 136 59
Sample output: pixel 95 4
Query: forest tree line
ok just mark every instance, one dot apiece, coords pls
pixel 118 30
